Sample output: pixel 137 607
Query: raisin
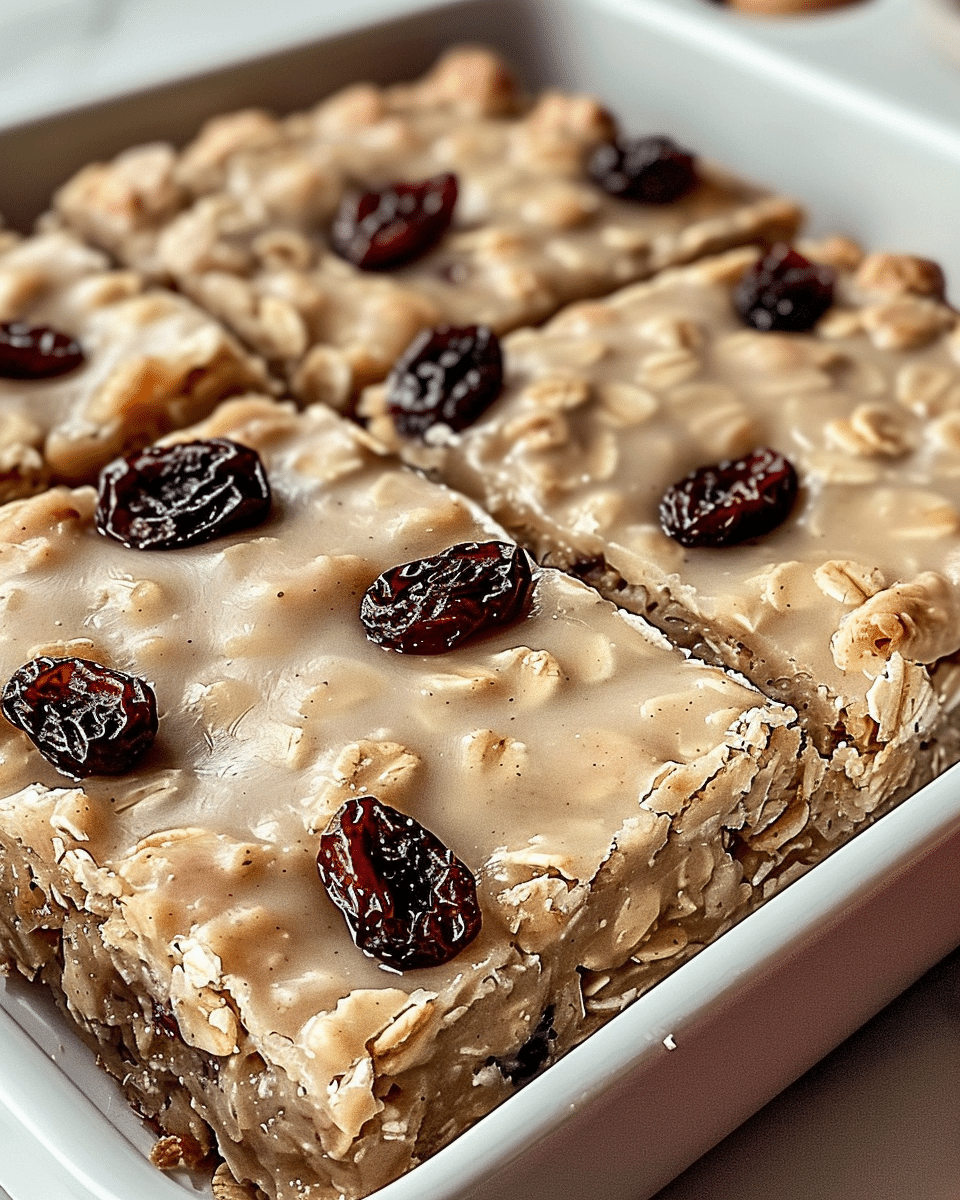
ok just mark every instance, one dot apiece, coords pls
pixel 651 170
pixel 164 1022
pixel 447 376
pixel 407 899
pixel 784 292
pixel 168 497
pixel 532 1056
pixel 598 573
pixel 84 718
pixel 731 501
pixel 431 605
pixel 384 229
pixel 36 352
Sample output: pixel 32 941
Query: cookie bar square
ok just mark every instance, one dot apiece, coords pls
pixel 145 361
pixel 601 787
pixel 241 220
pixel 848 608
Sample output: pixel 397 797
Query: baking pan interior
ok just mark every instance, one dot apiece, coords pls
pixel 793 105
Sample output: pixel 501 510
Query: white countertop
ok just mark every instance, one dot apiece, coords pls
pixel 58 54
pixel 878 1119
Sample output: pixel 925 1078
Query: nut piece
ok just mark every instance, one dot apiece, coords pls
pixel 177 1150
pixel 165 1154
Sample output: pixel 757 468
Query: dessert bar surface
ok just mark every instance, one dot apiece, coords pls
pixel 296 234
pixel 93 363
pixel 847 607
pixel 602 789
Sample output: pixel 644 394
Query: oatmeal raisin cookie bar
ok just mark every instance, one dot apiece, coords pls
pixel 268 223
pixel 632 433
pixel 589 794
pixel 92 363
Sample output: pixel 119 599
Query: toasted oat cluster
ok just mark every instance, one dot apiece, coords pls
pixel 130 364
pixel 205 939
pixel 638 440
pixel 294 233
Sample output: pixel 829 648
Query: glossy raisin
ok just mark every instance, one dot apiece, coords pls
pixel 36 352
pixel 384 229
pixel 651 170
pixel 731 501
pixel 447 376
pixel 406 898
pixel 431 605
pixel 165 1024
pixel 84 718
pixel 784 292
pixel 169 497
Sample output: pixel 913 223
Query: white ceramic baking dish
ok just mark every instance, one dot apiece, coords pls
pixel 851 112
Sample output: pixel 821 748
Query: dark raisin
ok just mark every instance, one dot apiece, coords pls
pixel 729 502
pixel 379 230
pixel 84 718
pixel 447 376
pixel 36 352
pixel 598 573
pixel 784 292
pixel 407 899
pixel 164 1022
pixel 532 1056
pixel 651 170
pixel 168 497
pixel 433 604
